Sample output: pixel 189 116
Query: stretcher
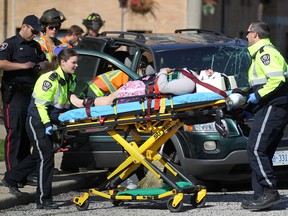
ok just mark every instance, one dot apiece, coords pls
pixel 160 119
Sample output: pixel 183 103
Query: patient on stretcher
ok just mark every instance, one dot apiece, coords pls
pixel 174 82
pixel 167 81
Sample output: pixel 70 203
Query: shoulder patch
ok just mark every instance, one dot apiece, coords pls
pixel 3 46
pixel 46 85
pixel 265 59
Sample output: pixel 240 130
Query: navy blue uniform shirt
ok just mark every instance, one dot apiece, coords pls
pixel 16 49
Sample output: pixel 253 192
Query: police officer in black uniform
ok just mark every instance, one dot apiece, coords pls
pixel 21 61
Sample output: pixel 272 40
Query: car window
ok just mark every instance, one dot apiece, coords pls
pixel 90 66
pixel 230 60
pixel 91 44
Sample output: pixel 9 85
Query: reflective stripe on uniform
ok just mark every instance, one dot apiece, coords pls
pixel 258 141
pixel 40 180
pixel 97 91
pixel 107 81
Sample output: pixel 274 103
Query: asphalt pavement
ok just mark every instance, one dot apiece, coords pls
pixel 62 182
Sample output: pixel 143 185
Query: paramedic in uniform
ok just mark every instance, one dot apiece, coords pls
pixel 270 106
pixel 52 94
pixel 21 60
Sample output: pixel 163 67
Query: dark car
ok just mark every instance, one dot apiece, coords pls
pixel 198 150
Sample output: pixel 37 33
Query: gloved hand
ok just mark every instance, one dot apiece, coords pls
pixel 252 99
pixel 48 130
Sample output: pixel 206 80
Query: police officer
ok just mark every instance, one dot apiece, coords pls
pixel 270 104
pixel 21 60
pixel 51 21
pixel 93 24
pixel 51 96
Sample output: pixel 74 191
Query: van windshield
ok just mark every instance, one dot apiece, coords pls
pixel 230 60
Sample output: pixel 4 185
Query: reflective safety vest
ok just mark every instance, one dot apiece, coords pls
pixel 50 96
pixel 108 82
pixel 65 41
pixel 267 68
pixel 48 45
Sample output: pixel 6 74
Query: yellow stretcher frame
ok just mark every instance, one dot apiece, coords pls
pixel 162 127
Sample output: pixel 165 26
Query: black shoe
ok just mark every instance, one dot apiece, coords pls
pixel 21 185
pixel 13 189
pixel 56 171
pixel 32 180
pixel 269 198
pixel 47 205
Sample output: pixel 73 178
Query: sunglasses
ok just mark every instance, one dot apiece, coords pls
pixel 52 27
pixel 248 32
pixel 33 31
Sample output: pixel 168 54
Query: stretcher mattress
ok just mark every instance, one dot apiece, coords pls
pixel 100 111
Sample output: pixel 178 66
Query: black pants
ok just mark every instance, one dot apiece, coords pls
pixel 17 145
pixel 42 157
pixel 265 135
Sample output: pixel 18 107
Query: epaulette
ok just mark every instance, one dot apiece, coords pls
pixel 53 76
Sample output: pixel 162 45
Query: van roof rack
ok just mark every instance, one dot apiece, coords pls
pixel 121 34
pixel 199 31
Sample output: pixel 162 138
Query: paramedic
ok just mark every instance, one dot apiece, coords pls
pixel 52 95
pixel 270 106
pixel 22 60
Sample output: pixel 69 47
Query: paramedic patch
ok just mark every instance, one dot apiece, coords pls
pixel 3 46
pixel 46 85
pixel 265 59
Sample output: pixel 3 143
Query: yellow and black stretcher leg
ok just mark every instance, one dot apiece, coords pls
pixel 144 155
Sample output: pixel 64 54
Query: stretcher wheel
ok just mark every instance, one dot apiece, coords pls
pixel 117 202
pixel 84 206
pixel 195 204
pixel 171 208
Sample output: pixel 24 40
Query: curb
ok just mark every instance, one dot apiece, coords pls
pixel 61 184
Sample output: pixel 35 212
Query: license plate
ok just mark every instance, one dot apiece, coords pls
pixel 280 158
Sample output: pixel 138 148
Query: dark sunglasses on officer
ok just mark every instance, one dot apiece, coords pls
pixel 33 31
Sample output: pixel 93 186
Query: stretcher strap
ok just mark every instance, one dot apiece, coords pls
pixel 206 85
pixel 88 102
pixel 157 98
pixel 162 105
pixel 149 102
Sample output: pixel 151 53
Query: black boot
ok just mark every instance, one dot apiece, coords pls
pixel 13 189
pixel 32 180
pixel 47 205
pixel 268 198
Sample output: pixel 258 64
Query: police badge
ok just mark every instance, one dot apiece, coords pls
pixel 46 85
pixel 265 59
pixel 3 46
